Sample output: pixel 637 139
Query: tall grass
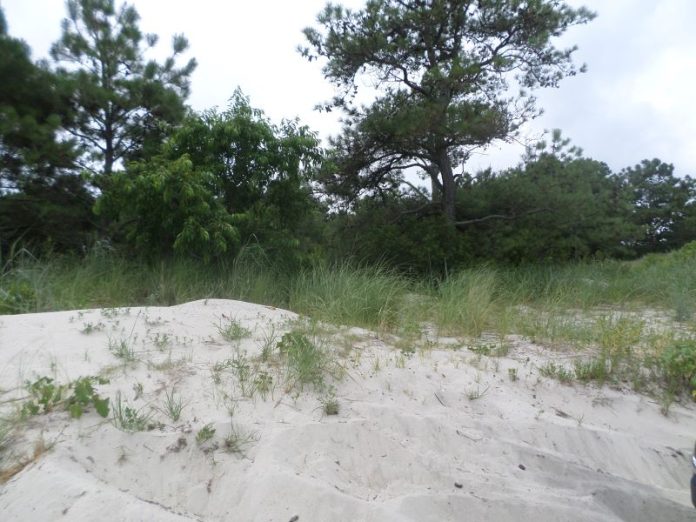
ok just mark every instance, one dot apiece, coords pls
pixel 347 295
pixel 594 307
pixel 465 302
pixel 468 302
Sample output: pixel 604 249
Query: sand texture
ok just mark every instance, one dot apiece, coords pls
pixel 440 434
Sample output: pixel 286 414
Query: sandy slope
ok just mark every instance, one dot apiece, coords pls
pixel 407 444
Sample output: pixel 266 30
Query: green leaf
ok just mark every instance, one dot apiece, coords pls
pixel 101 405
pixel 75 410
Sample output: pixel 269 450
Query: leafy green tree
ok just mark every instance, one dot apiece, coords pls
pixel 167 206
pixel 444 69
pixel 260 172
pixel 123 103
pixel 664 206
pixel 222 179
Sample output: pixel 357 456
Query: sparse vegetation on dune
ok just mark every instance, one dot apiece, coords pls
pixel 627 322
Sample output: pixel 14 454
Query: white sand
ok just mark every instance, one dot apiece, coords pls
pixel 407 444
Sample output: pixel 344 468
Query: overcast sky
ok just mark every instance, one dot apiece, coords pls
pixel 636 101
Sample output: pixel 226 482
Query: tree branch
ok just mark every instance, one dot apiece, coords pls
pixel 499 216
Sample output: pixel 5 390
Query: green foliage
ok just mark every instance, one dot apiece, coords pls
pixel 444 69
pixel 231 329
pixel 45 395
pixel 16 296
pixel 32 109
pixel 205 434
pixel 84 394
pixel 43 203
pixel 306 361
pixel 345 294
pixel 664 206
pixel 127 418
pixel 48 215
pixel 258 171
pixel 123 102
pixel 391 232
pixel 556 207
pixel 678 364
pixel 169 207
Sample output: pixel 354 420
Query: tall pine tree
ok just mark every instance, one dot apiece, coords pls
pixel 123 102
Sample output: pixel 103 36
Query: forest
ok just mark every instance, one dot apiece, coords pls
pixel 102 161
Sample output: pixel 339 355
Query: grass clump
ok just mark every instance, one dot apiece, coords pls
pixel 173 405
pixel 127 418
pixel 490 349
pixel 556 371
pixel 306 361
pixel 205 434
pixel 122 349
pixel 595 369
pixel 329 403
pixel 231 330
pixel 238 439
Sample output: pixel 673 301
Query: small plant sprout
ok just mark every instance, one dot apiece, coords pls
pixel 512 373
pixel 231 329
pixel 477 393
pixel 161 340
pixel 122 349
pixel 263 382
pixel 376 365
pixel 238 439
pixel 270 341
pixel 556 371
pixel 129 419
pixel 137 390
pixel 330 404
pixel 206 433
pixel 88 327
pixel 173 405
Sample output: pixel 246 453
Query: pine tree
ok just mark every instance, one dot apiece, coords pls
pixel 444 69
pixel 122 101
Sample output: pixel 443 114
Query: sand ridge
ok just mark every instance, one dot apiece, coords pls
pixel 440 434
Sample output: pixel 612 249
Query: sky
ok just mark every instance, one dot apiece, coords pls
pixel 635 102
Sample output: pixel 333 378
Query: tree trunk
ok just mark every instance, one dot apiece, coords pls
pixel 108 149
pixel 448 186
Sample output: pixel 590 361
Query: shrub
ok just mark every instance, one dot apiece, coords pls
pixel 678 365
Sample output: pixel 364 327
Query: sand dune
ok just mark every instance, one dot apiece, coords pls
pixel 439 435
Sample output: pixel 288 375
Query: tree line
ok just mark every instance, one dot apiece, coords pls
pixel 98 146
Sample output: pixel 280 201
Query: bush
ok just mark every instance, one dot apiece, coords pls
pixel 678 365
pixel 16 297
pixel 167 206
